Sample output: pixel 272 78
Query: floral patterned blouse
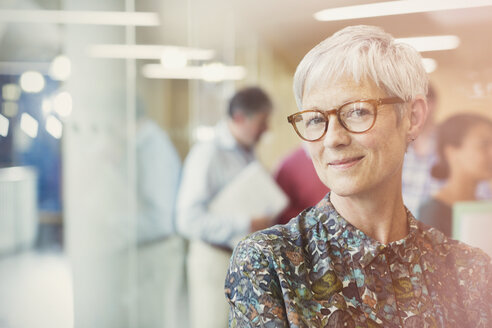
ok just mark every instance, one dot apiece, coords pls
pixel 321 271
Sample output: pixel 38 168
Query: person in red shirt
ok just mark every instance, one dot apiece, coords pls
pixel 298 179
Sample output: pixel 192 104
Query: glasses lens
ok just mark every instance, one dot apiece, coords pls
pixel 310 124
pixel 358 116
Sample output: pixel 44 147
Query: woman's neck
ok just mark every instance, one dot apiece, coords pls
pixel 379 214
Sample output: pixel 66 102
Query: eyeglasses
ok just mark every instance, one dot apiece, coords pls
pixel 356 116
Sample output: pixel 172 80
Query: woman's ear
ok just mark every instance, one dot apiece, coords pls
pixel 417 116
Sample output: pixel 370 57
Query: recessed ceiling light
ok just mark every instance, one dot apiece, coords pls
pixel 60 68
pixel 32 81
pixel 4 126
pixel 29 125
pixel 54 127
pixel 10 108
pixel 11 91
pixel 62 104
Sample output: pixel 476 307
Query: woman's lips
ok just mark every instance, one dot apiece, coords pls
pixel 345 163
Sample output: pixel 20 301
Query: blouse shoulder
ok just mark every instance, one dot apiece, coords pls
pixel 468 262
pixel 274 242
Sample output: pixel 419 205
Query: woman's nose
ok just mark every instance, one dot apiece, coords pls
pixel 336 135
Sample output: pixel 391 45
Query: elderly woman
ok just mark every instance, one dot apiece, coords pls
pixel 358 258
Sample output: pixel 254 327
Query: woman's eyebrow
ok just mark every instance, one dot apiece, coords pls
pixel 311 108
pixel 315 107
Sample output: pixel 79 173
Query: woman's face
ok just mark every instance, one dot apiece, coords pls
pixel 473 158
pixel 348 163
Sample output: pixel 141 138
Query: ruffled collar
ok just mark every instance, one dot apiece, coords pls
pixel 361 247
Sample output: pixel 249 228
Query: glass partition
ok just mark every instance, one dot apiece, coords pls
pixel 82 83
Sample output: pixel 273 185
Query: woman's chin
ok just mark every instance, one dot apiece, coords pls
pixel 345 190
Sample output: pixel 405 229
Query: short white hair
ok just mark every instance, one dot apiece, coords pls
pixel 363 52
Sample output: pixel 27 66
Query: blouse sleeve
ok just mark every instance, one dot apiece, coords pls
pixel 253 290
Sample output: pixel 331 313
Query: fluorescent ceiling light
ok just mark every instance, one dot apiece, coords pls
pixel 173 59
pixel 430 64
pixel 80 17
pixel 396 8
pixel 141 51
pixel 213 72
pixel 432 43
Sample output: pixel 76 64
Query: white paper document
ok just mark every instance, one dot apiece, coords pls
pixel 253 192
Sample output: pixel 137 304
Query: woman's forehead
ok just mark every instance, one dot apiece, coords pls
pixel 337 92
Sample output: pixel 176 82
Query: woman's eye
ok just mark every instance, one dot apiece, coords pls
pixel 312 121
pixel 358 112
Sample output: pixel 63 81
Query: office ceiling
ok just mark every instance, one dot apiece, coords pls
pixel 463 77
pixel 289 27
pixel 285 26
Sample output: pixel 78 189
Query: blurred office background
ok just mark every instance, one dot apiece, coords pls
pixel 71 72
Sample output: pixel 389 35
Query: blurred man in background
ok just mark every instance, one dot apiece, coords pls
pixel 209 167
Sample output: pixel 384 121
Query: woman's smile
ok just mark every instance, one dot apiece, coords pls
pixel 345 163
